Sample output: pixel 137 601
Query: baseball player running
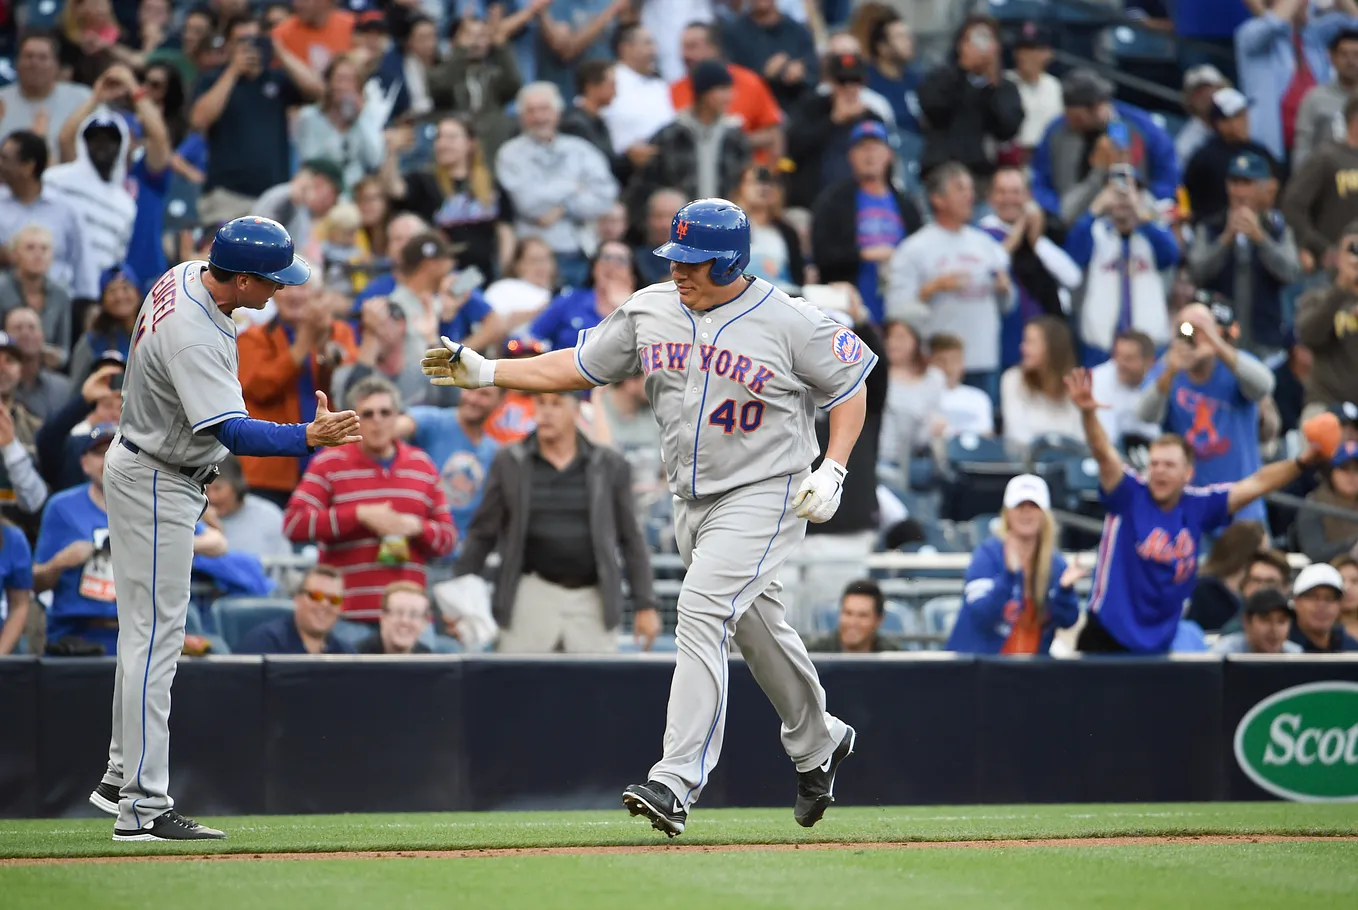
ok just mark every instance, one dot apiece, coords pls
pixel 182 412
pixel 735 369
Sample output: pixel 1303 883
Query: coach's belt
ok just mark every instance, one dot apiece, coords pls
pixel 201 475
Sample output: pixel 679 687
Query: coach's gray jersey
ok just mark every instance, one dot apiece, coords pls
pixel 734 388
pixel 182 371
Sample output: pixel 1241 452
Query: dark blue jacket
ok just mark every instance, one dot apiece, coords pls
pixel 1266 306
pixel 993 598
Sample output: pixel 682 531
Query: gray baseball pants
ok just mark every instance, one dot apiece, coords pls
pixel 733 546
pixel 152 511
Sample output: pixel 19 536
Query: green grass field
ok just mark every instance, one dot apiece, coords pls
pixel 1172 875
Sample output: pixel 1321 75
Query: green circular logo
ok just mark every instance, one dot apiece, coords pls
pixel 1302 743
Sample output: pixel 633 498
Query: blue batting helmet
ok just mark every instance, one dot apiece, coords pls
pixel 710 229
pixel 258 246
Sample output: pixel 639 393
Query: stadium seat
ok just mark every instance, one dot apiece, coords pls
pixel 940 614
pixel 41 15
pixel 979 467
pixel 901 619
pixel 909 149
pixel 825 619
pixel 1021 10
pixel 236 616
pixel 980 528
pixel 1054 448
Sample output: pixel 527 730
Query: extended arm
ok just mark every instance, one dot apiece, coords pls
pixel 846 423
pixel 1110 464
pixel 1266 480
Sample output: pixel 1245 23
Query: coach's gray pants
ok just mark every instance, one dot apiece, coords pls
pixel 733 546
pixel 151 517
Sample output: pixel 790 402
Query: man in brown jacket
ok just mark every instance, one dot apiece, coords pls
pixel 559 509
pixel 1327 323
pixel 1322 198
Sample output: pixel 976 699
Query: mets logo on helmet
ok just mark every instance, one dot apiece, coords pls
pixel 847 346
pixel 681 229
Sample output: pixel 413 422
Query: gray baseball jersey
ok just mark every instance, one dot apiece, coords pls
pixel 733 388
pixel 182 371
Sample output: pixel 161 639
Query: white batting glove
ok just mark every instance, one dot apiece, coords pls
pixel 818 497
pixel 456 364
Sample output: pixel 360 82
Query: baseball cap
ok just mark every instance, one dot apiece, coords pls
pixel 422 248
pixel 1204 74
pixel 1228 103
pixel 120 272
pixel 370 21
pixel 1027 488
pixel 709 74
pixel 112 356
pixel 868 129
pixel 98 434
pixel 328 169
pixel 846 68
pixel 1032 35
pixel 7 343
pixel 1318 575
pixel 1346 453
pixel 1266 600
pixel 1248 166
pixel 1346 411
pixel 1083 87
pixel 1219 304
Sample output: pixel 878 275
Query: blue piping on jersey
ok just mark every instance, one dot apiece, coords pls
pixel 217 417
pixel 151 645
pixel 580 364
pixel 707 377
pixel 725 630
pixel 185 285
pixel 853 388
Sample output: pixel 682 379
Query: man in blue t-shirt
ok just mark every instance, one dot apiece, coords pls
pixel 456 441
pixel 1208 392
pixel 72 557
pixel 1148 556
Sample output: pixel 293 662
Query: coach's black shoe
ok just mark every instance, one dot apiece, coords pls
pixel 656 802
pixel 105 798
pixel 168 827
pixel 816 788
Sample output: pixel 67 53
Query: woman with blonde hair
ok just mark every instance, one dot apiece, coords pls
pixel 1033 399
pixel 458 196
pixel 1019 589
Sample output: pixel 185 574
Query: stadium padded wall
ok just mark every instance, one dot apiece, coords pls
pixel 296 735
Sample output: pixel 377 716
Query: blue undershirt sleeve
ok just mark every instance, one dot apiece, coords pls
pixel 247 436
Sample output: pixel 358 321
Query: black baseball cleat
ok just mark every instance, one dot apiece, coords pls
pixel 656 802
pixel 816 788
pixel 105 798
pixel 170 826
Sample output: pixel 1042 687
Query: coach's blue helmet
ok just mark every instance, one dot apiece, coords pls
pixel 258 246
pixel 710 229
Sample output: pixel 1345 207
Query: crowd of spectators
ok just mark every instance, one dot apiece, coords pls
pixel 498 173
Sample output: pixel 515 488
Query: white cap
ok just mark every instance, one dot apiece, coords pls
pixel 1203 74
pixel 1229 102
pixel 1028 488
pixel 1318 575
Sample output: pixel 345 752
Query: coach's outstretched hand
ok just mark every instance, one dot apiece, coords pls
pixel 456 364
pixel 331 428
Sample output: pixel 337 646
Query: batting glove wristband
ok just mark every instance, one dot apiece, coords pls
pixel 818 497
pixel 456 364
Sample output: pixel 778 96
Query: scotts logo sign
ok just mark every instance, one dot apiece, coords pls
pixel 1302 743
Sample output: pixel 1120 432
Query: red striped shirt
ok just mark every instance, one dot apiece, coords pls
pixel 324 510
